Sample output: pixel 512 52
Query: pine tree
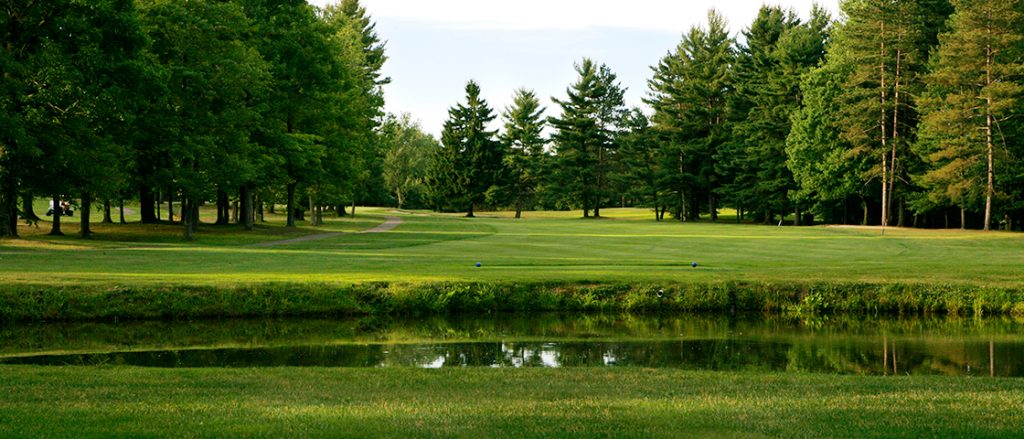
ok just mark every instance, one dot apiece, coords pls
pixel 470 162
pixel 584 134
pixel 640 158
pixel 885 43
pixel 752 160
pixel 974 90
pixel 524 146
pixel 689 94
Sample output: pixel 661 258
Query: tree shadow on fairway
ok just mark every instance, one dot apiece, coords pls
pixel 413 231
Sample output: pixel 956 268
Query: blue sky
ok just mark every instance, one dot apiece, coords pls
pixel 435 46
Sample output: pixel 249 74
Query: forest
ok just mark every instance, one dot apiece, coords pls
pixel 896 113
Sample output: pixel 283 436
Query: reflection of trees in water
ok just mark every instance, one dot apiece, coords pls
pixel 888 356
pixel 830 344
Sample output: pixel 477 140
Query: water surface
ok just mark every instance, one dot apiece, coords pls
pixel 841 345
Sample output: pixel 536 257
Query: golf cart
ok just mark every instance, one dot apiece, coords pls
pixel 64 209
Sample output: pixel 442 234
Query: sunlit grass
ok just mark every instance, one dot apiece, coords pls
pixel 626 402
pixel 628 246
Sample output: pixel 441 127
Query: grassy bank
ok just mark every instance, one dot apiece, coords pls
pixel 87 401
pixel 35 303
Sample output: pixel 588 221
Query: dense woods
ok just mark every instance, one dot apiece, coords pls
pixel 896 113
pixel 241 104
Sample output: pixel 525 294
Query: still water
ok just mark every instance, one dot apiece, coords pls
pixel 842 345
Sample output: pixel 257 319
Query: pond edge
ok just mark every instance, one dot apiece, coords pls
pixel 19 302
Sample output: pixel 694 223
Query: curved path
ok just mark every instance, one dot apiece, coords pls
pixel 390 223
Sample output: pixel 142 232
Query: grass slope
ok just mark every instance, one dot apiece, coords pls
pixel 112 402
pixel 548 246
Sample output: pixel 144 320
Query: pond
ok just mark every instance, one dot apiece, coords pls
pixel 833 344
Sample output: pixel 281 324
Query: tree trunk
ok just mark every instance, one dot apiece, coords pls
pixel 84 215
pixel 895 127
pixel 187 217
pixel 401 199
pixel 236 216
pixel 120 207
pixel 519 208
pixel 58 212
pixel 963 219
pixel 259 207
pixel 291 205
pixel 247 207
pixel 27 211
pixel 712 206
pixel 170 206
pixel 8 207
pixel 903 213
pixel 340 209
pixel 990 186
pixel 885 149
pixel 223 205
pixel 945 215
pixel 796 216
pixel 106 212
pixel 864 220
pixel 270 208
pixel 470 213
pixel 312 212
pixel 147 208
pixel 353 207
pixel 159 202
pixel 682 205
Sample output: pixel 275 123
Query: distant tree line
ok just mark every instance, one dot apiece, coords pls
pixel 902 113
pixel 241 103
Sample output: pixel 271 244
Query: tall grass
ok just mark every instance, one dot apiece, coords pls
pixel 36 303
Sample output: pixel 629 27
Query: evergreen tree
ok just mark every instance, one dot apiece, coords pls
pixel 779 51
pixel 974 90
pixel 640 158
pixel 886 44
pixel 752 161
pixel 689 94
pixel 585 132
pixel 524 147
pixel 470 161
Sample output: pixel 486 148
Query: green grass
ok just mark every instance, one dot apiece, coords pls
pixel 628 246
pixel 549 260
pixel 300 402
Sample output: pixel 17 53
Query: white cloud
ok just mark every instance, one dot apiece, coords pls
pixel 660 15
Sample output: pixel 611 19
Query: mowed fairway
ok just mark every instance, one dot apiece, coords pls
pixel 626 246
pixel 483 402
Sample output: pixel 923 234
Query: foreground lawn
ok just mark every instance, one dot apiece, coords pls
pixel 545 246
pixel 88 401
